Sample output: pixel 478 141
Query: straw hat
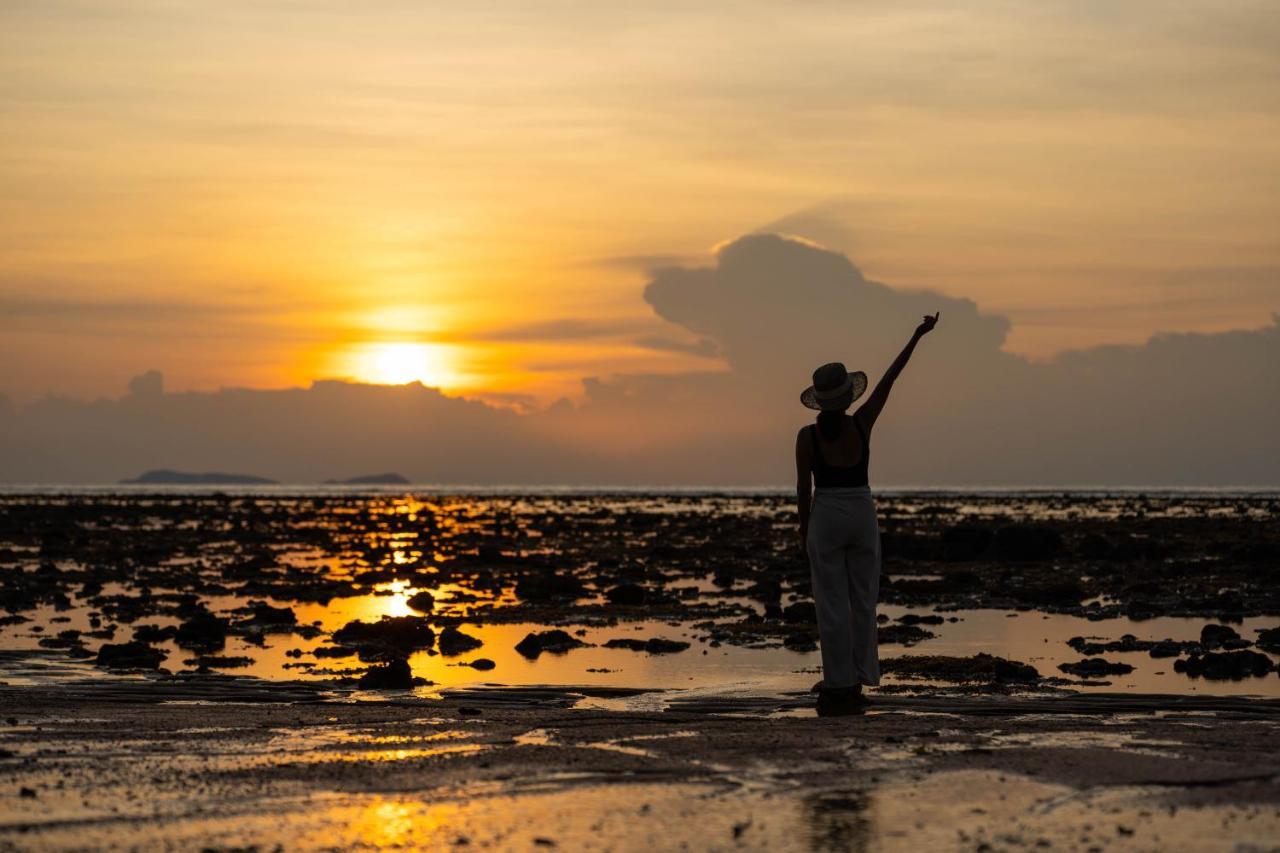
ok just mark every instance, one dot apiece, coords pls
pixel 831 383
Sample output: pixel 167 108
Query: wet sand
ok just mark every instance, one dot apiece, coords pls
pixel 511 768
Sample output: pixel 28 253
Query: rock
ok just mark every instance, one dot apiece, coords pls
pixel 154 634
pixel 335 651
pixel 393 675
pixel 131 655
pixel 965 542
pixel 423 602
pixel 453 642
pixel 1094 646
pixel 1222 666
pixel 1026 543
pixel 1058 593
pixel 906 635
pixel 482 664
pixel 801 613
pixel 1269 640
pixel 1092 667
pixel 980 667
pixel 917 619
pixel 555 641
pixel 203 631
pixel 800 641
pixel 207 662
pixel 549 587
pixel 264 617
pixel 1219 636
pixel 401 634
pixel 627 594
pixel 653 646
pixel 1167 649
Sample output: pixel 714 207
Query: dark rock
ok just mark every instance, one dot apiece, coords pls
pixel 800 641
pixel 555 641
pixel 131 655
pixel 264 617
pixel 1093 667
pixel 1056 593
pixel 453 642
pixel 905 635
pixel 1030 543
pixel 154 633
pixel 482 664
pixel 1269 640
pixel 423 602
pixel 335 651
pixel 1219 636
pixel 981 667
pixel 628 594
pixel 206 662
pixel 801 613
pixel 393 675
pixel 402 634
pixel 1094 646
pixel 203 631
pixel 917 619
pixel 1168 649
pixel 653 646
pixel 1222 666
pixel 965 542
pixel 549 587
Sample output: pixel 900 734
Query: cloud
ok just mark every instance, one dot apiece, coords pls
pixel 1181 409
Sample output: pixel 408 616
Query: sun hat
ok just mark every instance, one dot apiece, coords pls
pixel 831 383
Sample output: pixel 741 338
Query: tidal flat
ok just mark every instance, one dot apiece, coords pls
pixel 339 669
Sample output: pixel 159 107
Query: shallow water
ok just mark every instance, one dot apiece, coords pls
pixel 1029 636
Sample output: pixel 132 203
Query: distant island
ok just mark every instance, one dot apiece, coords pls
pixel 371 480
pixel 165 477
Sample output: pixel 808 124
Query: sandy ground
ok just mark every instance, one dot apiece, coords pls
pixel 219 764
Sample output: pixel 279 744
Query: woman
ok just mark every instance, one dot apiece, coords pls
pixel 838 524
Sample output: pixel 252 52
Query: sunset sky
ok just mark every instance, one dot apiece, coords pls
pixel 472 194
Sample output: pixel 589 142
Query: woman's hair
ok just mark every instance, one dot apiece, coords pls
pixel 831 422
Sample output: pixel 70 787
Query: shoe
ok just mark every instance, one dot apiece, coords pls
pixel 840 701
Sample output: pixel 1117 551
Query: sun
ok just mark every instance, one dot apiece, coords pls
pixel 401 362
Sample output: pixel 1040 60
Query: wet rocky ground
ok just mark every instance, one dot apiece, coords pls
pixel 201 582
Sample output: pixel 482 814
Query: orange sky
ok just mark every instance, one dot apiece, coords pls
pixel 262 193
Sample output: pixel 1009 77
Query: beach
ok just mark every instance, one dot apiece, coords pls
pixel 631 670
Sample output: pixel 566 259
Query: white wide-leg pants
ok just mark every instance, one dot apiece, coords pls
pixel 844 556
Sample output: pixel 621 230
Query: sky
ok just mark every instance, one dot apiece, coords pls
pixel 482 196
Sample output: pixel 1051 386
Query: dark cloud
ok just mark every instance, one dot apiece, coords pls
pixel 1180 409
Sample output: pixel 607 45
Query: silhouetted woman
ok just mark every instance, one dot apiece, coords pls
pixel 838 525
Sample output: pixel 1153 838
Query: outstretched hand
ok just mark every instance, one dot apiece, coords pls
pixel 927 325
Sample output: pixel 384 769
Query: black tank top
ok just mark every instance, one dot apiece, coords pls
pixel 829 476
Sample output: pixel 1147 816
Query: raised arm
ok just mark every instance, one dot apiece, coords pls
pixel 870 410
